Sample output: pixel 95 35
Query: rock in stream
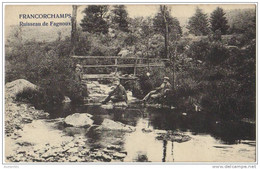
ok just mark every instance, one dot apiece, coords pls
pixel 108 124
pixel 79 120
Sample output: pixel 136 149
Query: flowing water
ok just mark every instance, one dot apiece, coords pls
pixel 212 140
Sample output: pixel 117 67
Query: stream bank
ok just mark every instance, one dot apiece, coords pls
pixel 132 134
pixel 30 136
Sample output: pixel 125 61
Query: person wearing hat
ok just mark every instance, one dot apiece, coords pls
pixel 78 78
pixel 159 91
pixel 78 73
pixel 118 94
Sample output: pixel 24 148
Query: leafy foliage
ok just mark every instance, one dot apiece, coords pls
pixel 120 17
pixel 240 20
pixel 222 80
pixel 47 65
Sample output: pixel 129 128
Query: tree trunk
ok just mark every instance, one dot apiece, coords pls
pixel 166 33
pixel 166 39
pixel 174 66
pixel 73 29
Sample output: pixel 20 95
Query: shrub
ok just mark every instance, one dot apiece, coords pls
pixel 218 53
pixel 221 79
pixel 32 96
pixel 47 65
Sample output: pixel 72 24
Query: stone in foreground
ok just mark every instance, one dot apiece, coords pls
pixel 17 86
pixel 79 120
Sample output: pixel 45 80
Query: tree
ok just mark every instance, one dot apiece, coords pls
pixel 162 18
pixel 240 19
pixel 120 17
pixel 249 31
pixel 165 24
pixel 73 28
pixel 141 28
pixel 219 21
pixel 94 20
pixel 198 24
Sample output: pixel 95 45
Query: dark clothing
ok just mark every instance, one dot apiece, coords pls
pixel 164 87
pixel 146 84
pixel 117 95
pixel 78 76
pixel 83 86
pixel 84 90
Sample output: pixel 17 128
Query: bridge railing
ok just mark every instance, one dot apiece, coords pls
pixel 151 62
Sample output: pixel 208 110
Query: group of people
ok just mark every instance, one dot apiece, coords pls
pixel 119 94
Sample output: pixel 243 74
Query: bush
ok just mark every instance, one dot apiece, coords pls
pixel 29 95
pixel 47 65
pixel 218 53
pixel 220 79
pixel 199 50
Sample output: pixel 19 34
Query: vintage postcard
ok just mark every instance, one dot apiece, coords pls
pixel 135 83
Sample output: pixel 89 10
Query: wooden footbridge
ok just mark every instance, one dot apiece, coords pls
pixel 137 62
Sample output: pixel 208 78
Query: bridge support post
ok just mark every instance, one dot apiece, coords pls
pixel 135 65
pixel 115 64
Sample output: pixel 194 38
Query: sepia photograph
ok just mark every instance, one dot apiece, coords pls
pixel 120 83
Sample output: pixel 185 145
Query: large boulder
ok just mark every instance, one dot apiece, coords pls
pixel 108 124
pixel 79 120
pixel 17 86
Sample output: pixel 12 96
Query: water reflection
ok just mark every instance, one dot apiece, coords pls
pixel 229 132
pixel 212 139
pixel 164 150
pixel 143 144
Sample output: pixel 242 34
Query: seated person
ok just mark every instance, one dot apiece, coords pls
pixel 118 94
pixel 159 91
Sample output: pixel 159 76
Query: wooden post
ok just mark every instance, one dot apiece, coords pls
pixel 166 33
pixel 135 65
pixel 116 64
pixel 148 57
pixel 174 64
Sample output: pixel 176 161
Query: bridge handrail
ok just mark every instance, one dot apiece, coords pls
pixel 116 65
pixel 126 65
pixel 115 57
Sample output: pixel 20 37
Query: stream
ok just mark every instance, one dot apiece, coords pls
pixel 212 140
